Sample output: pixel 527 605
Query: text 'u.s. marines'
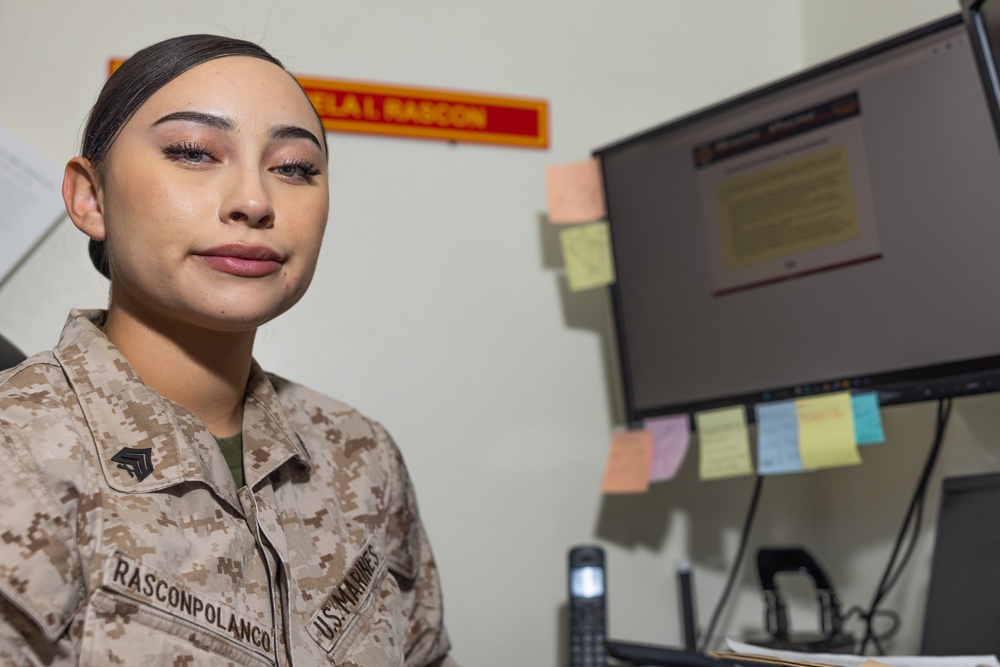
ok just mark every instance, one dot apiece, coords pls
pixel 345 599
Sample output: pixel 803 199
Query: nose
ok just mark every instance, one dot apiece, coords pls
pixel 248 201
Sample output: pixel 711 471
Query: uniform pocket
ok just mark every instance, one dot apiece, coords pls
pixel 119 630
pixel 135 598
pixel 360 621
pixel 377 632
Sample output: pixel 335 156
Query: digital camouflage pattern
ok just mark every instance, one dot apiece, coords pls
pixel 124 540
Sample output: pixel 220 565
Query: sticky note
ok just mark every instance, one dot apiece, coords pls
pixel 723 443
pixel 628 462
pixel 671 437
pixel 777 438
pixel 867 418
pixel 575 191
pixel 587 255
pixel 826 431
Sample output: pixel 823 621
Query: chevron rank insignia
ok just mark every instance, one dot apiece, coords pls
pixel 137 463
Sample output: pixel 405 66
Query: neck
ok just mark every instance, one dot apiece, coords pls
pixel 204 371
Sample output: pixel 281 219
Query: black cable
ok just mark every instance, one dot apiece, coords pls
pixel 858 611
pixel 920 495
pixel 911 526
pixel 944 412
pixel 735 569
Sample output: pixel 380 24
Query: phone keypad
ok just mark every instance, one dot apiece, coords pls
pixel 587 625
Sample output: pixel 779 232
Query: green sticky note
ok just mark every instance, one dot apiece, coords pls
pixel 723 443
pixel 587 255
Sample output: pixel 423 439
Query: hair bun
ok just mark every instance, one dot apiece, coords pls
pixel 99 257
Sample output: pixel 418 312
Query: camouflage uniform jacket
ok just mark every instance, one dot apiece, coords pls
pixel 124 539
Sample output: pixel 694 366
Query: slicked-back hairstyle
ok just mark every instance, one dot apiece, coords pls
pixel 146 72
pixel 136 80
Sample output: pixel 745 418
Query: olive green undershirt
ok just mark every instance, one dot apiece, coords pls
pixel 232 450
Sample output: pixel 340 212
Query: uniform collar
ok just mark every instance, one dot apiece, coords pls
pixel 146 442
pixel 268 437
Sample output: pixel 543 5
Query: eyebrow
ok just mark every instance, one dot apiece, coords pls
pixel 226 124
pixel 294 132
pixel 218 122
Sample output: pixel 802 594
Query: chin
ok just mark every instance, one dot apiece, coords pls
pixel 243 321
pixel 233 320
pixel 241 314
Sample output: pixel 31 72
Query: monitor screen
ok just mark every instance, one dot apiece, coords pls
pixel 10 356
pixel 834 230
pixel 963 607
pixel 982 18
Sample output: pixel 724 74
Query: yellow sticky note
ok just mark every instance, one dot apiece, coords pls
pixel 723 443
pixel 576 192
pixel 628 462
pixel 826 431
pixel 587 255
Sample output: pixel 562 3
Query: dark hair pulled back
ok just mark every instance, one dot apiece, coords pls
pixel 136 80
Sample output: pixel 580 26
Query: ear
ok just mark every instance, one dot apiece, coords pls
pixel 81 190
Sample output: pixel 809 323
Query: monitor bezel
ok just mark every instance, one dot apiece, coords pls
pixel 898 386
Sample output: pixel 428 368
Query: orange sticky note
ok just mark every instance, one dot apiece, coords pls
pixel 576 192
pixel 628 463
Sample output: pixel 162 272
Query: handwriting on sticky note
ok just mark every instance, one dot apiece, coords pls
pixel 587 256
pixel 671 437
pixel 723 443
pixel 826 431
pixel 867 418
pixel 777 438
pixel 575 190
pixel 628 463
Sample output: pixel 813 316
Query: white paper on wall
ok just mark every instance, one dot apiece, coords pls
pixel 30 199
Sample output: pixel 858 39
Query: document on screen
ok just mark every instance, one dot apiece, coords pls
pixel 788 197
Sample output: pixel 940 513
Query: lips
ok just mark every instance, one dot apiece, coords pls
pixel 247 261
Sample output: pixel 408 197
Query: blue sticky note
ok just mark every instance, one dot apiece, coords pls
pixel 777 438
pixel 867 418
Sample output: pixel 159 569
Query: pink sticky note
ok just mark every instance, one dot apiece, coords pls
pixel 576 192
pixel 628 463
pixel 671 436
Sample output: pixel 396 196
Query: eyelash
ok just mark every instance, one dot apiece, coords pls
pixel 306 169
pixel 180 152
pixel 177 151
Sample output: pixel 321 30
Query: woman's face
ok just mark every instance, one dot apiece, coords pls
pixel 215 198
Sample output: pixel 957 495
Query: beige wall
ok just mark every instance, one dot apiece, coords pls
pixel 439 308
pixel 833 27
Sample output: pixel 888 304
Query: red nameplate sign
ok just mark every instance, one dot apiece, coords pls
pixel 351 106
pixel 348 106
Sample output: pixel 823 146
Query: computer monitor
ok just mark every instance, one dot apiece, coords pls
pixel 9 355
pixel 834 230
pixel 963 598
pixel 982 18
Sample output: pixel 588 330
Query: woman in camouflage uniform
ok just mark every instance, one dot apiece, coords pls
pixel 164 500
